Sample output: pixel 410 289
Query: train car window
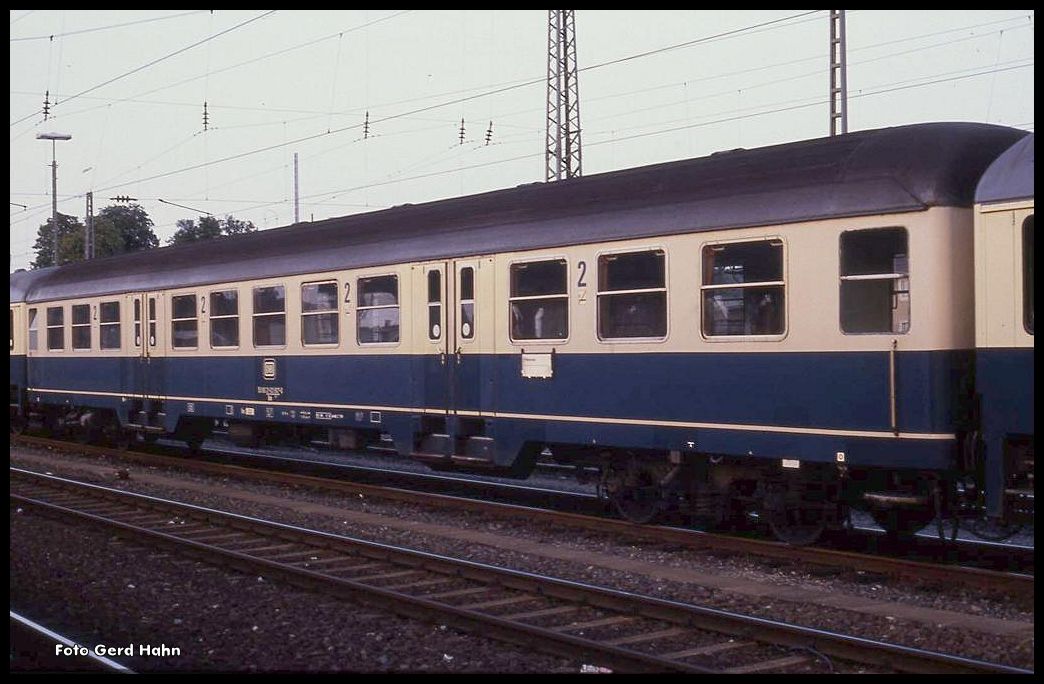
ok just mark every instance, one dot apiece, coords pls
pixel 378 310
pixel 1027 273
pixel 467 302
pixel 269 316
pixel 137 322
pixel 55 328
pixel 34 334
pixel 434 304
pixel 152 321
pixel 743 292
pixel 319 313
pixel 632 295
pixel 109 325
pixel 224 319
pixel 81 327
pixel 539 300
pixel 184 327
pixel 875 281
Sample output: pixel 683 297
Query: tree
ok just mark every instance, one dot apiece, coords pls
pixel 209 228
pixel 117 229
pixel 131 223
pixel 68 226
pixel 234 226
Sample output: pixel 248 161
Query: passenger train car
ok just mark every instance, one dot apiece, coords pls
pixel 1004 331
pixel 788 330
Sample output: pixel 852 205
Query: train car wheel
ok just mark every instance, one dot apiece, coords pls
pixel 635 493
pixel 53 426
pixel 797 526
pixel 121 439
pixel 903 522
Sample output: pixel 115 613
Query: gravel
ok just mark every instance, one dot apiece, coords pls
pixel 223 621
pixel 917 633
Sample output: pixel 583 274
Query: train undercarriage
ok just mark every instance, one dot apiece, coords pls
pixel 797 504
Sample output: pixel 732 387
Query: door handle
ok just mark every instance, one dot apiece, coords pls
pixel 458 355
pixel 442 358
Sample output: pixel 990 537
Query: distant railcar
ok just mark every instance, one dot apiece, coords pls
pixel 1004 332
pixel 788 330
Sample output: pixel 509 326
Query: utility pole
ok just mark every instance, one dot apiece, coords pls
pixel 563 98
pixel 54 137
pixel 297 196
pixel 88 243
pixel 838 74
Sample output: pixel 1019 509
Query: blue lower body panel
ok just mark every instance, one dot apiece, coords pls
pixel 808 406
pixel 1004 379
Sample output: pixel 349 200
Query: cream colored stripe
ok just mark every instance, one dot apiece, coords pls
pixel 534 416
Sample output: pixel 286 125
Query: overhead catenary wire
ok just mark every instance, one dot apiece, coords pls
pixel 702 78
pixel 155 61
pixel 66 34
pixel 330 113
pixel 488 93
pixel 818 102
pixel 308 43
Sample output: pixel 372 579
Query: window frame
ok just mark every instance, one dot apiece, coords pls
pixel 102 324
pixel 359 308
pixel 666 290
pixel 568 296
pixel 32 326
pixel 437 304
pixel 152 306
pixel 254 315
pixel 73 326
pixel 195 319
pixel 211 318
pixel 1027 229
pixel 872 277
pixel 462 338
pixel 49 327
pixel 335 311
pixel 767 337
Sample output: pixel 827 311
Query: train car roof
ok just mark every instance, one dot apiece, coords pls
pixel 1010 176
pixel 22 281
pixel 906 168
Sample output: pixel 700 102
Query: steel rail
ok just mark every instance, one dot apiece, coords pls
pixel 37 632
pixel 762 630
pixel 1008 583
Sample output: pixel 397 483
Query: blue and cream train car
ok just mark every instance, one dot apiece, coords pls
pixel 21 281
pixel 1004 330
pixel 787 329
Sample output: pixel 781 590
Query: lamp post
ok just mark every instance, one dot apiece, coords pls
pixel 54 184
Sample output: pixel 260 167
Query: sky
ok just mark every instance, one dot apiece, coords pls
pixel 655 86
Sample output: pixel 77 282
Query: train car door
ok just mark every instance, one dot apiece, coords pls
pixel 471 338
pixel 147 411
pixel 432 369
pixel 454 372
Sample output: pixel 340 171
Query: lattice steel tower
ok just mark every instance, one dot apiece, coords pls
pixel 838 74
pixel 563 97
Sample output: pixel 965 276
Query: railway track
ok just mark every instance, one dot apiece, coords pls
pixel 33 650
pixel 618 630
pixel 1013 584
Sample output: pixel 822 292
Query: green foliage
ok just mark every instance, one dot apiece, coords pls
pixel 117 229
pixel 208 228
pixel 131 223
pixel 68 228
